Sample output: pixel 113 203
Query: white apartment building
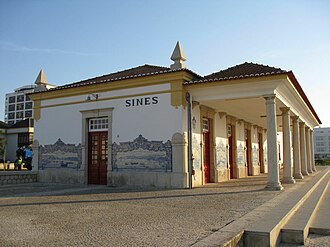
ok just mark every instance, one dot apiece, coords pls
pixel 18 105
pixel 322 143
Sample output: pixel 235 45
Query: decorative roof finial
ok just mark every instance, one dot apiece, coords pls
pixel 178 57
pixel 41 79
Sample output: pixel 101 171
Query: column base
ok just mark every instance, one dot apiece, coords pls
pixel 314 169
pixel 305 173
pixel 310 171
pixel 298 176
pixel 274 186
pixel 288 180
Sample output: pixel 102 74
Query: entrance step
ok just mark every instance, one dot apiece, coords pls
pixel 266 232
pixel 296 230
pixel 321 222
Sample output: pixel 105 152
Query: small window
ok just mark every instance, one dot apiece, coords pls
pixel 28 105
pixel 28 114
pixel 98 124
pixel 205 125
pixel 20 106
pixel 12 99
pixel 11 108
pixel 229 130
pixel 11 122
pixel 20 98
pixel 11 115
pixel 19 114
pixel 27 98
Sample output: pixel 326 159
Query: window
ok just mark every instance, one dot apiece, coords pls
pixel 27 98
pixel 28 105
pixel 24 139
pixel 11 122
pixel 20 106
pixel 28 114
pixel 205 125
pixel 229 130
pixel 11 115
pixel 98 124
pixel 20 98
pixel 19 114
pixel 12 99
pixel 11 108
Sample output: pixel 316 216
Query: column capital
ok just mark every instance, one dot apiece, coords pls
pixel 307 128
pixel 285 109
pixel 270 98
pixel 222 114
pixel 295 118
pixel 302 124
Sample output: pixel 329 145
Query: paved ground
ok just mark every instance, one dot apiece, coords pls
pixel 62 215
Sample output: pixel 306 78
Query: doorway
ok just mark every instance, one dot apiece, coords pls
pixel 231 150
pixel 261 153
pixel 247 134
pixel 97 157
pixel 206 149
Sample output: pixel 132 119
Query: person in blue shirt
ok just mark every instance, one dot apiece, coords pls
pixel 28 154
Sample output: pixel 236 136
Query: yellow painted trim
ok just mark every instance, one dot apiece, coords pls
pixel 236 81
pixel 109 98
pixel 36 110
pixel 177 93
pixel 114 85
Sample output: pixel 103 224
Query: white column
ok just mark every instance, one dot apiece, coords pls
pixel 296 148
pixel 273 168
pixel 308 150
pixel 303 158
pixel 287 159
pixel 312 149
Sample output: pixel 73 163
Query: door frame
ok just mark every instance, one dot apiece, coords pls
pixel 99 147
pixel 207 112
pixel 261 151
pixel 208 132
pixel 232 168
pixel 248 151
pixel 86 115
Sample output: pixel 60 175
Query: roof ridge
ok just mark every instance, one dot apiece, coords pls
pixel 138 71
pixel 112 73
pixel 239 65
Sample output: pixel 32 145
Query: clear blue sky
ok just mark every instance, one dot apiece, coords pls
pixel 73 40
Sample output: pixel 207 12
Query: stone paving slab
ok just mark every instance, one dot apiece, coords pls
pixel 321 222
pixel 264 216
pixel 297 228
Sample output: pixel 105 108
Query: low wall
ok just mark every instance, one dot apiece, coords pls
pixel 18 177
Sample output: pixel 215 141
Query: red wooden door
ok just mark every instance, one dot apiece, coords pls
pixel 206 139
pixel 206 149
pixel 230 143
pixel 97 157
pixel 261 153
pixel 248 151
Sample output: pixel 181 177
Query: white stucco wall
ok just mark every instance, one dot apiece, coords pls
pixel 154 122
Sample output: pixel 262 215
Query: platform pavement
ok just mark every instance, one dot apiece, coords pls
pixel 79 215
pixel 266 215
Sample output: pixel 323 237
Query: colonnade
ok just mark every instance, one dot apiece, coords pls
pixel 298 161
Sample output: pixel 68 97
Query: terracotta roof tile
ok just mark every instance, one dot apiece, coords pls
pixel 244 70
pixel 140 71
